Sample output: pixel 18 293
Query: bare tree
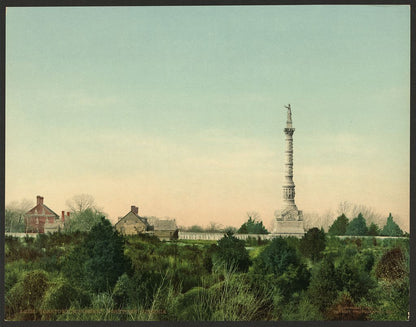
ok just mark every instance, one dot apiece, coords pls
pixel 21 206
pixel 214 227
pixel 313 219
pixel 351 210
pixel 81 202
pixel 14 215
pixel 253 215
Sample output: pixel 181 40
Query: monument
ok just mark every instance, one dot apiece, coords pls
pixel 289 220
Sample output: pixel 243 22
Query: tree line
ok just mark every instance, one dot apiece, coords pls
pixel 358 227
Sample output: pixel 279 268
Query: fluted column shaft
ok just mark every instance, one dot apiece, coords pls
pixel 289 185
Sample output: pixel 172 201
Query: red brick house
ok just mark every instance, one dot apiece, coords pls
pixel 41 219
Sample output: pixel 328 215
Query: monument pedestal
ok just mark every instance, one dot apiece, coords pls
pixel 289 222
pixel 288 228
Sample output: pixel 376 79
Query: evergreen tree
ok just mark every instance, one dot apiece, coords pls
pixel 373 230
pixel 354 279
pixel 98 262
pixel 280 263
pixel 232 253
pixel 391 228
pixel 252 226
pixel 324 285
pixel 357 226
pixel 276 257
pixel 339 226
pixel 313 243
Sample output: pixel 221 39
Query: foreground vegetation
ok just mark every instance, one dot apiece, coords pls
pixel 100 275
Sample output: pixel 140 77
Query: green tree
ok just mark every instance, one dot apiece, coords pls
pixel 99 260
pixel 24 299
pixel 276 257
pixel 357 226
pixel 280 261
pixel 14 221
pixel 252 225
pixel 339 226
pixel 60 295
pixel 313 243
pixel 392 297
pixel 324 285
pixel 232 253
pixel 195 229
pixel 373 230
pixel 391 228
pixel 354 279
pixel 83 220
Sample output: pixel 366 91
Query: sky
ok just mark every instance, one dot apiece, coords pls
pixel 180 110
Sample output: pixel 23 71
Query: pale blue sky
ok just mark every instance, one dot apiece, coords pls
pixel 179 110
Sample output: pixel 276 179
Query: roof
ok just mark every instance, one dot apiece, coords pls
pixel 159 224
pixel 142 219
pixel 45 206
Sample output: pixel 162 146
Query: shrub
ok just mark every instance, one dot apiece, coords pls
pixel 324 285
pixel 194 305
pixel 232 253
pixel 392 265
pixel 355 280
pixel 25 297
pixel 313 243
pixel 59 297
pixel 276 257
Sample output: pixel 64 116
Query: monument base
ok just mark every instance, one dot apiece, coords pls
pixel 288 228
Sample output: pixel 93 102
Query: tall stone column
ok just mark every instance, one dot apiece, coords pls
pixel 289 220
pixel 289 185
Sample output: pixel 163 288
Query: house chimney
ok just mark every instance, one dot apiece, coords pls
pixel 63 216
pixel 135 210
pixel 39 199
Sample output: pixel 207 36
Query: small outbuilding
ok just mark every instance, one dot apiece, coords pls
pixel 165 229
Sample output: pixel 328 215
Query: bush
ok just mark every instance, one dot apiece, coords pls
pixel 59 298
pixel 276 258
pixel 344 308
pixel 392 265
pixel 313 243
pixel 324 285
pixel 25 297
pixel 232 253
pixel 355 280
pixel 15 301
pixel 193 305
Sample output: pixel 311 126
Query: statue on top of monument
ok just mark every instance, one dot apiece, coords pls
pixel 289 113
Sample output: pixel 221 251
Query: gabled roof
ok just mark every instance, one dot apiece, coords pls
pixel 45 206
pixel 141 219
pixel 159 224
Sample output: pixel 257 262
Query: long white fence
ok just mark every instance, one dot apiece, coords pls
pixel 218 236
